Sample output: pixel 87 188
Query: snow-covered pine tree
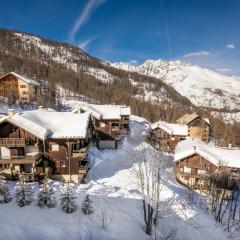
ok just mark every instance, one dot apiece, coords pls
pixel 87 208
pixel 5 196
pixel 67 200
pixel 23 193
pixel 46 196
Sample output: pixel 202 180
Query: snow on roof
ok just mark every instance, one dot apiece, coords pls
pixel 187 118
pixel 215 155
pixel 171 128
pixel 24 78
pixel 107 111
pixel 49 124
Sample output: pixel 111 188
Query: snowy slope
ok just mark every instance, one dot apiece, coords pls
pixel 112 186
pixel 203 87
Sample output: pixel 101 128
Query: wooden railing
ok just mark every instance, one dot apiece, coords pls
pixel 21 159
pixel 81 153
pixel 83 167
pixel 12 142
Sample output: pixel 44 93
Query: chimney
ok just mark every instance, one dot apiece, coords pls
pixel 10 112
pixel 40 107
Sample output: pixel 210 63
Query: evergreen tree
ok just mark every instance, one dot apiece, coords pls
pixel 46 196
pixel 5 196
pixel 23 193
pixel 67 200
pixel 87 208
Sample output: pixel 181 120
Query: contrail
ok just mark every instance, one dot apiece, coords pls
pixel 84 17
pixel 165 20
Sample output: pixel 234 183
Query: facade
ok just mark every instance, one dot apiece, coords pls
pixel 197 162
pixel 19 88
pixel 165 136
pixel 198 127
pixel 111 123
pixel 44 142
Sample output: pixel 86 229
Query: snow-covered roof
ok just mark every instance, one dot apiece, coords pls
pixel 171 128
pixel 187 118
pixel 106 111
pixel 215 155
pixel 46 124
pixel 24 78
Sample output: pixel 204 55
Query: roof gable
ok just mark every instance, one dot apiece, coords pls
pixel 215 155
pixel 46 124
pixel 23 78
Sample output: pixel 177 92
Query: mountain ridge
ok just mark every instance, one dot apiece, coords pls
pixel 193 82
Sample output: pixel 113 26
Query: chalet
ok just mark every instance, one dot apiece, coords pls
pixel 111 123
pixel 196 161
pixel 165 135
pixel 19 88
pixel 198 127
pixel 45 142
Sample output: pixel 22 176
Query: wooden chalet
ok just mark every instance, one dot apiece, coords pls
pixel 44 142
pixel 165 136
pixel 197 162
pixel 19 88
pixel 198 127
pixel 111 123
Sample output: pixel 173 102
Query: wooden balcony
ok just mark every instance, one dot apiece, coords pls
pixel 21 159
pixel 81 153
pixel 83 167
pixel 12 142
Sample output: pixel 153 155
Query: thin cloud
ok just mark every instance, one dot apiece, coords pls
pixel 230 46
pixel 224 70
pixel 83 45
pixel 133 62
pixel 84 17
pixel 196 54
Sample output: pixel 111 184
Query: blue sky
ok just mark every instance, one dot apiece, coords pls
pixel 203 32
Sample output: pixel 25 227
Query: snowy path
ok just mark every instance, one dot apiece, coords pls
pixel 113 189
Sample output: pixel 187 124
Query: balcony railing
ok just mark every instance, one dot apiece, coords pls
pixel 81 153
pixel 27 159
pixel 83 167
pixel 12 142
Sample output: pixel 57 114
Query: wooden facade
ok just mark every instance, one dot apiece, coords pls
pixel 16 89
pixel 198 128
pixel 23 153
pixel 109 131
pixel 195 172
pixel 161 140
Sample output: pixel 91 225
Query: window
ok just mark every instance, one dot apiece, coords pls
pixel 24 92
pixel 76 146
pixel 54 147
pixel 23 86
pixel 102 124
pixel 63 164
pixel 201 171
pixel 187 169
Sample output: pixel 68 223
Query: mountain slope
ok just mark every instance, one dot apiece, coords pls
pixel 64 66
pixel 203 87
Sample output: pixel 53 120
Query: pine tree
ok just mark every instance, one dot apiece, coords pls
pixel 23 193
pixel 5 196
pixel 46 196
pixel 87 208
pixel 67 201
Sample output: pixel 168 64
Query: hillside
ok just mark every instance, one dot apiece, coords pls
pixel 193 82
pixel 116 197
pixel 61 65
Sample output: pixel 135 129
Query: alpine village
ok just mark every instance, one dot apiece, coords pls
pixel 118 149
